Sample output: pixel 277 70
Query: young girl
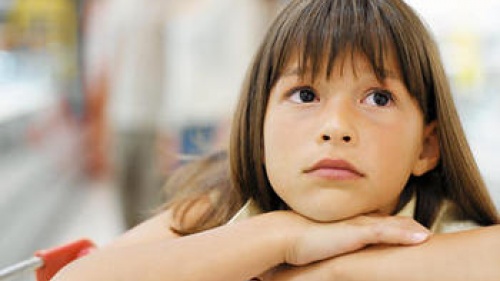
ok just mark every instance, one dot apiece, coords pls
pixel 345 127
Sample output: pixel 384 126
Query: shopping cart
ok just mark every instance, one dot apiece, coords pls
pixel 46 263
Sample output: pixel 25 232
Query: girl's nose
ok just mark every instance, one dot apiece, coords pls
pixel 337 127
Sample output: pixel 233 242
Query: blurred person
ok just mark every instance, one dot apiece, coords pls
pixel 125 57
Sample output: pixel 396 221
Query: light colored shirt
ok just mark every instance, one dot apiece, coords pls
pixel 447 219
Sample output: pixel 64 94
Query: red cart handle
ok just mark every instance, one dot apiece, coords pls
pixel 56 258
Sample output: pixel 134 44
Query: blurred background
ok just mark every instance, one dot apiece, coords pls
pixel 100 97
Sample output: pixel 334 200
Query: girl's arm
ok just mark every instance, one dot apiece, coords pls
pixel 234 252
pixel 147 254
pixel 467 255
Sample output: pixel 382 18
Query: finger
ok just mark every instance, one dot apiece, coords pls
pixel 390 230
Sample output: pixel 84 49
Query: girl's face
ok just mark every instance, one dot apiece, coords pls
pixel 344 146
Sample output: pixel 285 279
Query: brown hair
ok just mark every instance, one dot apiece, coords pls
pixel 204 179
pixel 319 33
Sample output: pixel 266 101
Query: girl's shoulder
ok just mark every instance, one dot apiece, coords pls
pixel 156 228
pixel 161 227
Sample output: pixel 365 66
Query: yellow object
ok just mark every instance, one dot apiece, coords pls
pixel 42 23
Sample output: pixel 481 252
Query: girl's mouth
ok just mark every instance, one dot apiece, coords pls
pixel 334 169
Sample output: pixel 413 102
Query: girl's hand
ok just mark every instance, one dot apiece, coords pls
pixel 310 241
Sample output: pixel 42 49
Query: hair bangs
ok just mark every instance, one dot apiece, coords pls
pixel 328 32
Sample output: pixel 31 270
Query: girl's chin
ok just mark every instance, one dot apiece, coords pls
pixel 331 215
pixel 327 216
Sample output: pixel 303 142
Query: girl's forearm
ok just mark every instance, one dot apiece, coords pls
pixel 461 256
pixel 233 252
pixel 469 255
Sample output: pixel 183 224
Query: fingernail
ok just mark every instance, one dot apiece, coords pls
pixel 419 236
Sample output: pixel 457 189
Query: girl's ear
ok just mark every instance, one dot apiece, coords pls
pixel 430 154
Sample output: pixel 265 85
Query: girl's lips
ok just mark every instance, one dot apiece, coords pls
pixel 334 169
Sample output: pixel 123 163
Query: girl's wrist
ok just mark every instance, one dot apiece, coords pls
pixel 283 229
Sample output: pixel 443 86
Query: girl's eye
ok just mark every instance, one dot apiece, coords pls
pixel 303 96
pixel 379 98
